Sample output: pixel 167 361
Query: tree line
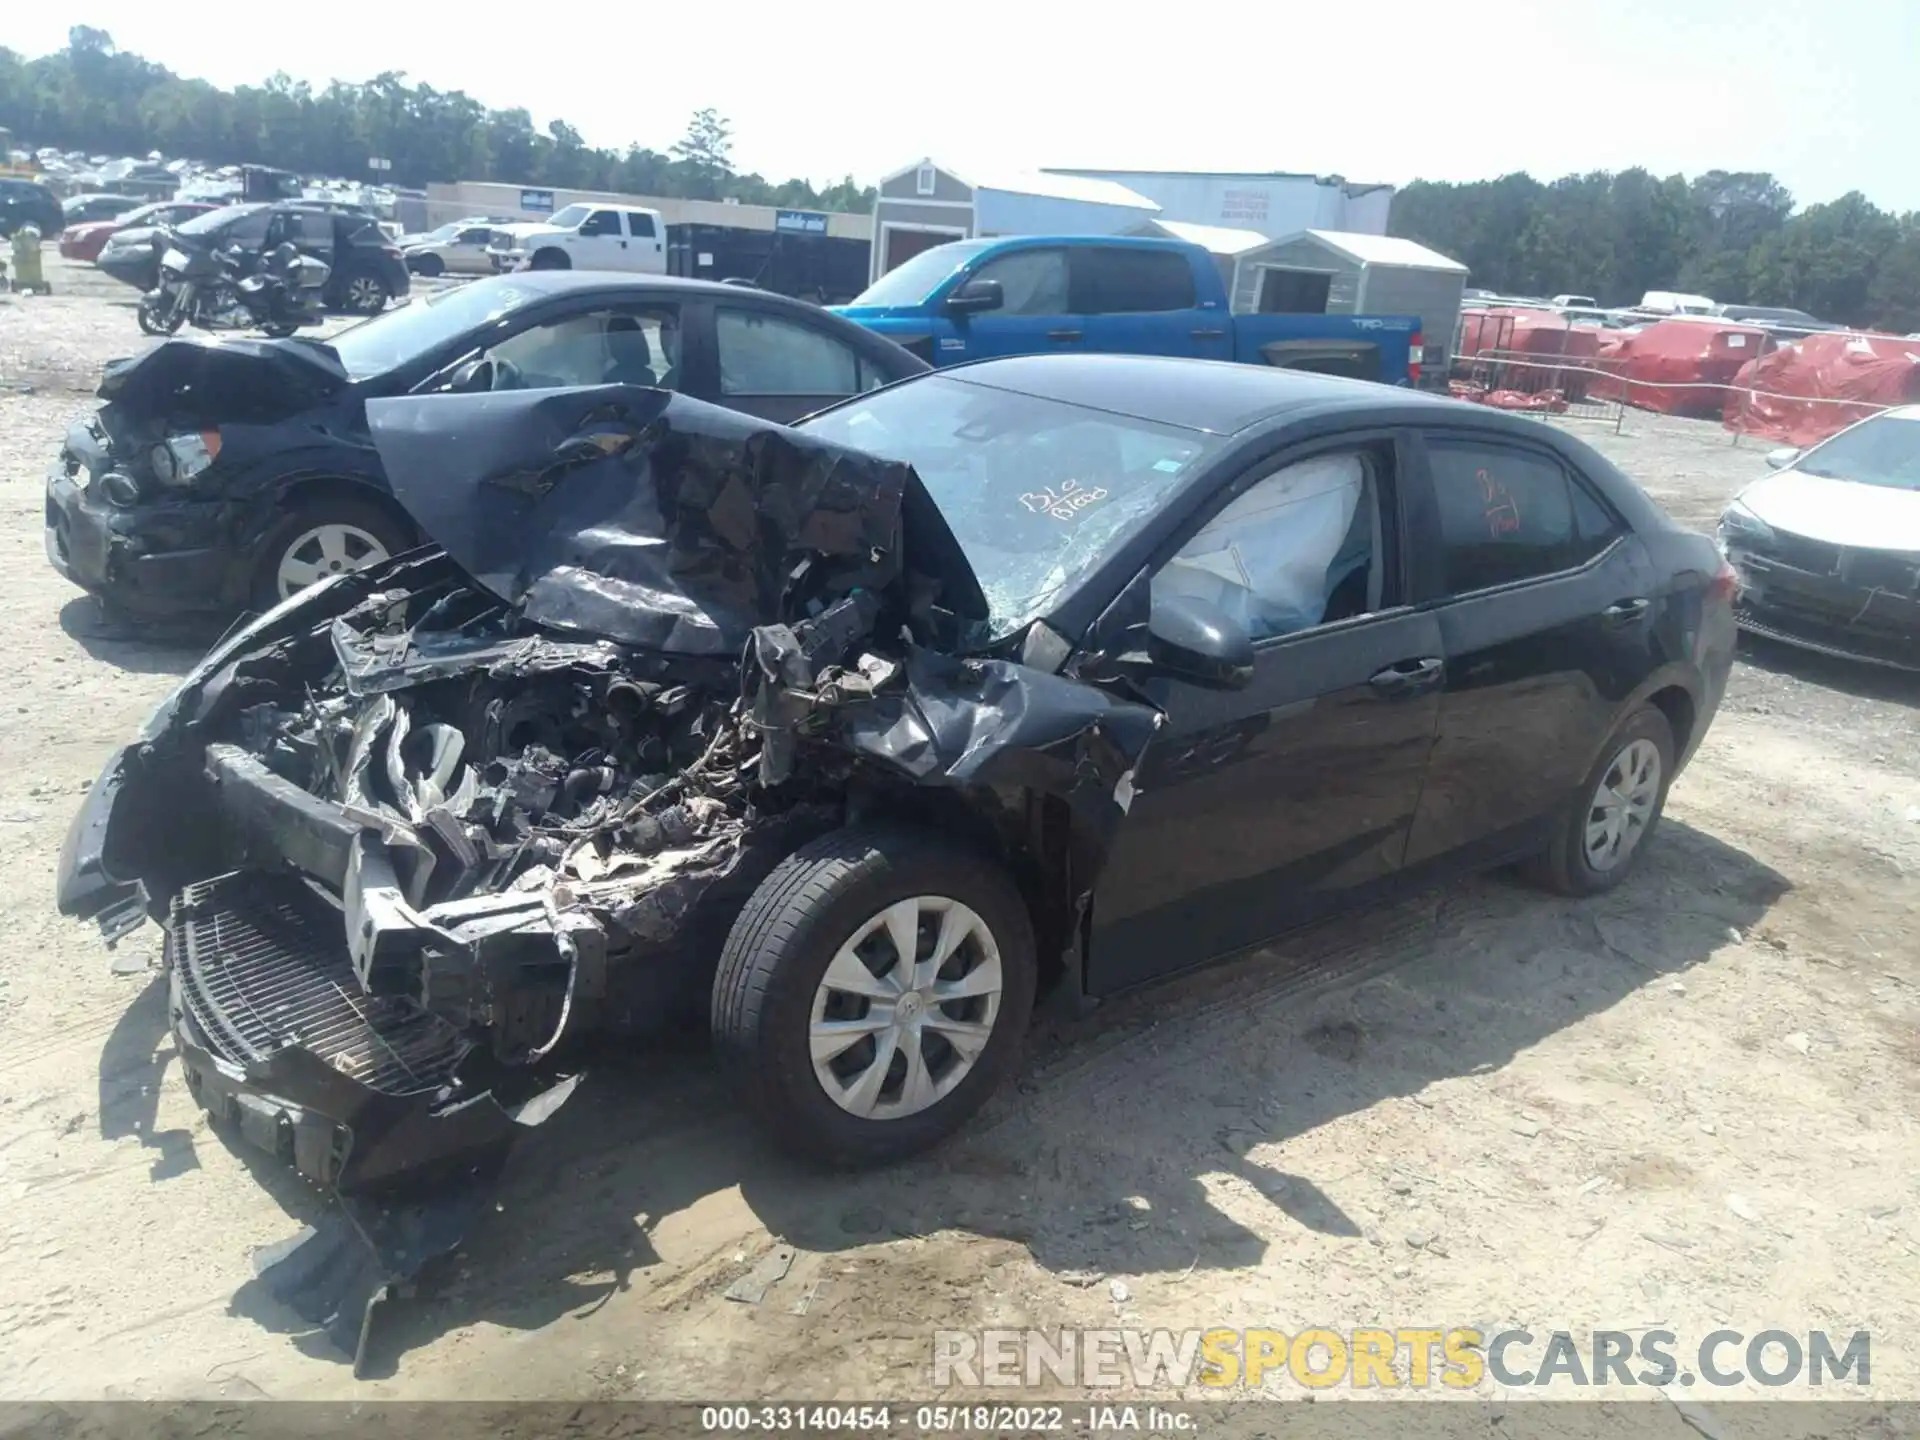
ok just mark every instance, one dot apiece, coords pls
pixel 95 97
pixel 1733 235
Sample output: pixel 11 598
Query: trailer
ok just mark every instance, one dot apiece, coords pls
pixel 792 259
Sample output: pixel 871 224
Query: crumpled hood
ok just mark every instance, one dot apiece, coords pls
pixel 231 381
pixel 1837 512
pixel 651 519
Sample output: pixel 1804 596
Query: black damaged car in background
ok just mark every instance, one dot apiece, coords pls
pixel 1039 676
pixel 224 476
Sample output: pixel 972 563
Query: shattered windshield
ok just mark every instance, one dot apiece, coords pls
pixel 1882 451
pixel 390 340
pixel 1036 491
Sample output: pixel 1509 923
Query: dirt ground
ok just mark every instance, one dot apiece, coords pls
pixel 1689 1105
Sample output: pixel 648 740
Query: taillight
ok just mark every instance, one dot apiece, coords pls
pixel 1726 583
pixel 1415 348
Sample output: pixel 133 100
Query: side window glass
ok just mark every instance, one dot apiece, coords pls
pixel 599 348
pixel 1297 549
pixel 1592 522
pixel 1116 281
pixel 601 222
pixel 640 226
pixel 1508 514
pixel 764 354
pixel 1033 281
pixel 249 230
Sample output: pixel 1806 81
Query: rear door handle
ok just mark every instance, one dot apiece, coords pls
pixel 1625 612
pixel 1207 334
pixel 1063 334
pixel 1409 676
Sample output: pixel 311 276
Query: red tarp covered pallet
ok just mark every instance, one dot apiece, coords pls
pixel 1799 383
pixel 1649 368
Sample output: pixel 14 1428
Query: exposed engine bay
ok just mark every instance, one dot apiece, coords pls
pixel 420 830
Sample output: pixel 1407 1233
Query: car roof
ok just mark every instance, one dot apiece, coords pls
pixel 1217 397
pixel 567 282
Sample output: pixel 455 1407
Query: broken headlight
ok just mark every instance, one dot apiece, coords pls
pixel 179 458
pixel 1740 526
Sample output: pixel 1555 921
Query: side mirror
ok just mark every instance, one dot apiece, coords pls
pixel 475 377
pixel 976 295
pixel 1191 640
pixel 1783 457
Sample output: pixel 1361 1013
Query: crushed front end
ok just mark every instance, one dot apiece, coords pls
pixel 421 829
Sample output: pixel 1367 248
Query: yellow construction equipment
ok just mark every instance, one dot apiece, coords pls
pixel 27 274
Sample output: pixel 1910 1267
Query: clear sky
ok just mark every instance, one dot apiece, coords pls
pixel 1822 93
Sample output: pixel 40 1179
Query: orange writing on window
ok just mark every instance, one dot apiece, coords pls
pixel 1502 512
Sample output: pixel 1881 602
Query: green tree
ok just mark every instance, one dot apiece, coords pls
pixel 92 96
pixel 706 151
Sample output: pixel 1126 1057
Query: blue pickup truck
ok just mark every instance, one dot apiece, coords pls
pixel 978 298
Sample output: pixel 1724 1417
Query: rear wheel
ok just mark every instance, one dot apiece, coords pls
pixel 873 993
pixel 1619 805
pixel 364 295
pixel 326 535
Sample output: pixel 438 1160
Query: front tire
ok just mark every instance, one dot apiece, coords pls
pixel 322 536
pixel 550 260
pixel 158 317
pixel 430 266
pixel 1618 807
pixel 848 1051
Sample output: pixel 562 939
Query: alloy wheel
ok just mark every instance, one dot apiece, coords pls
pixel 1622 806
pixel 323 551
pixel 906 1008
pixel 365 294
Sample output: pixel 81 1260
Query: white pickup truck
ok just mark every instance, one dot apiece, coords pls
pixel 585 237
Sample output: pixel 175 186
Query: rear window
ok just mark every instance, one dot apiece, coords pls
pixel 1110 280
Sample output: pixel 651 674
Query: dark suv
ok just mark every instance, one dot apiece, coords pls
pixel 26 202
pixel 368 271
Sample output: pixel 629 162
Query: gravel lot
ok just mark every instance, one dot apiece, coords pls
pixel 1688 1105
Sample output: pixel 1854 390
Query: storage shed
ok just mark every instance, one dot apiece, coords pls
pixel 1337 272
pixel 926 205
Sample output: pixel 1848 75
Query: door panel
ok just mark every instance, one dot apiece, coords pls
pixel 1534 678
pixel 601 243
pixel 1142 301
pixel 1536 667
pixel 1257 810
pixel 1036 318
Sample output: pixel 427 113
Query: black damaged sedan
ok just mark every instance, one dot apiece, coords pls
pixel 1049 675
pixel 224 475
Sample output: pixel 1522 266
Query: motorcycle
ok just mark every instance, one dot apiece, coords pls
pixel 213 290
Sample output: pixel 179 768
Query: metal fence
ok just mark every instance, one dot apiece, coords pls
pixel 1576 387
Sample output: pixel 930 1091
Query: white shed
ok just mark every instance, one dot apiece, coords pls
pixel 926 204
pixel 1336 272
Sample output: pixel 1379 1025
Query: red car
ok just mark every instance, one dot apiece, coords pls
pixel 85 242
